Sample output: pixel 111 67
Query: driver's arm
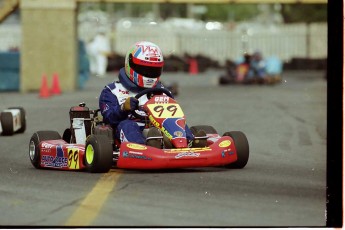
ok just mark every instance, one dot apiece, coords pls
pixel 110 108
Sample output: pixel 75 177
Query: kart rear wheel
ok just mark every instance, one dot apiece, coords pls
pixel 98 154
pixel 242 147
pixel 6 119
pixel 34 150
pixel 22 119
pixel 207 128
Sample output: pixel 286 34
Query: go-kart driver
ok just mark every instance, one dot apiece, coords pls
pixel 143 68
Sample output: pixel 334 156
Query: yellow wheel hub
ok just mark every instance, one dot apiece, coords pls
pixel 90 153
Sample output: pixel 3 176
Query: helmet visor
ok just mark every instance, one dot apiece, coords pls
pixel 147 71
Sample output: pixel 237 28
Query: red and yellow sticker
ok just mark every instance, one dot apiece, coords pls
pixel 187 150
pixel 224 144
pixel 136 146
pixel 73 158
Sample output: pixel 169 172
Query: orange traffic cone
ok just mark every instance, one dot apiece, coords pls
pixel 44 91
pixel 56 85
pixel 193 66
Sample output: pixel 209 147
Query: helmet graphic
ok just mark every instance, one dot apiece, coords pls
pixel 144 63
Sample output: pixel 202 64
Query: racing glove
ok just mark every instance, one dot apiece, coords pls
pixel 130 104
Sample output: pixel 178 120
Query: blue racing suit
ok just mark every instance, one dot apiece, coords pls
pixel 125 125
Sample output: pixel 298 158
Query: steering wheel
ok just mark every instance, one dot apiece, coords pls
pixel 149 92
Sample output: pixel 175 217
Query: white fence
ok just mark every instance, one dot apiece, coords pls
pixel 284 41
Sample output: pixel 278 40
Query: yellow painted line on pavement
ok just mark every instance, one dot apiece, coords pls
pixel 90 207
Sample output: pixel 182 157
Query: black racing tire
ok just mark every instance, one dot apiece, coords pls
pixel 207 128
pixel 67 135
pixel 242 147
pixel 22 119
pixel 98 154
pixel 34 150
pixel 225 80
pixel 6 119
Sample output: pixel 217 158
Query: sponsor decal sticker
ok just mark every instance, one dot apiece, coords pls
pixel 47 145
pixel 154 122
pixel 187 149
pixel 161 99
pixel 136 146
pixel 105 107
pixel 225 143
pixel 125 92
pixel 178 133
pixel 125 154
pixel 139 153
pixel 59 161
pixel 187 154
pixel 150 80
pixel 227 151
pixel 122 136
pixel 166 110
pixel 73 158
pixel 167 133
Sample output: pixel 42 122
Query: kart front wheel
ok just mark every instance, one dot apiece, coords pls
pixel 98 154
pixel 34 150
pixel 242 147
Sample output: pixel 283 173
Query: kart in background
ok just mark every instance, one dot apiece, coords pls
pixel 89 143
pixel 236 72
pixel 12 120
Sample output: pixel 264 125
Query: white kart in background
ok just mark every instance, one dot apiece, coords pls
pixel 12 120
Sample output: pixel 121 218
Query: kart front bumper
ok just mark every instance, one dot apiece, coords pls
pixel 136 156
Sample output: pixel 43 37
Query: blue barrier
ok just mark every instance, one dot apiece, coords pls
pixel 10 69
pixel 9 80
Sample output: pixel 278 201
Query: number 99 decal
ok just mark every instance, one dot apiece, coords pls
pixel 73 158
pixel 166 110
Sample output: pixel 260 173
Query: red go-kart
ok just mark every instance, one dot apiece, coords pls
pixel 89 144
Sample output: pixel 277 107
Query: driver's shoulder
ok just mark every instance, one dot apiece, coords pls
pixel 113 85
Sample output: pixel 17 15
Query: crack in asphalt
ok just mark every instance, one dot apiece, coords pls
pixel 65 205
pixel 285 109
pixel 127 185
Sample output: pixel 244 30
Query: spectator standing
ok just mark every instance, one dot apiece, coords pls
pixel 98 51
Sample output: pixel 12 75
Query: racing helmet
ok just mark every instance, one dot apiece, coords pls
pixel 144 64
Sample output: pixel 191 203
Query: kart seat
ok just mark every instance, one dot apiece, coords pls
pixel 79 114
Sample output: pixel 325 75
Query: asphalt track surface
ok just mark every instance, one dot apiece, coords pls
pixel 283 184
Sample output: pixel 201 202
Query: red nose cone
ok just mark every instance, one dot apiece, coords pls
pixel 180 142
